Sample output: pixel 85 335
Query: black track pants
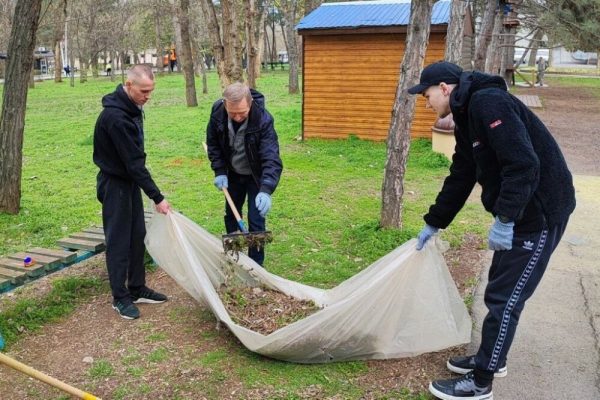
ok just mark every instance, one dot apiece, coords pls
pixel 124 231
pixel 513 277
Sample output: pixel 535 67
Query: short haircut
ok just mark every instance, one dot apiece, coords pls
pixel 139 71
pixel 236 92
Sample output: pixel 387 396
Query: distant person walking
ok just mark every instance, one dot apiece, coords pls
pixel 108 68
pixel 172 58
pixel 119 153
pixel 542 66
pixel 67 70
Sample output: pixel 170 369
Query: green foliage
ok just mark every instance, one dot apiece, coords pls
pixel 574 24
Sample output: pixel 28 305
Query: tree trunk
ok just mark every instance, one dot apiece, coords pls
pixel 19 64
pixel 456 28
pixel 251 46
pixel 259 35
pixel 231 42
pixel 210 15
pixel 203 72
pixel 159 48
pixel 290 10
pixel 485 34
pixel 83 67
pixel 185 54
pixel 398 141
pixel 71 53
pixel 267 44
pixel 494 50
pixel 274 40
pixel 94 65
pixel 535 44
pixel 508 54
pixel 177 30
pixel 57 62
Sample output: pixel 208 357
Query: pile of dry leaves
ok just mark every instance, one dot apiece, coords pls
pixel 264 310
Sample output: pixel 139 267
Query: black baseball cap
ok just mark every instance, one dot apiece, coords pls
pixel 436 73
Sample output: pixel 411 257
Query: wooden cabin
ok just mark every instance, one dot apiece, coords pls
pixel 352 52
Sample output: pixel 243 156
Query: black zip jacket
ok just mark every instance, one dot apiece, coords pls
pixel 119 142
pixel 260 142
pixel 504 146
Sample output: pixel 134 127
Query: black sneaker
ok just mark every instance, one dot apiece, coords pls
pixel 126 309
pixel 463 387
pixel 147 295
pixel 465 364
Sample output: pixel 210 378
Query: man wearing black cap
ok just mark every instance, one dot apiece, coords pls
pixel 526 186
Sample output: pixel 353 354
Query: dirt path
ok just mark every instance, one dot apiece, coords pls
pixel 573 116
pixel 160 356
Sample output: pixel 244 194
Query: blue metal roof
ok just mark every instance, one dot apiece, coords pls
pixel 361 14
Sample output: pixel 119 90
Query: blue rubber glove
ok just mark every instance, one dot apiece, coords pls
pixel 426 233
pixel 501 235
pixel 1 342
pixel 221 182
pixel 263 203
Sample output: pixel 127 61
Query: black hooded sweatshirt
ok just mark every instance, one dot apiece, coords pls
pixel 119 142
pixel 504 146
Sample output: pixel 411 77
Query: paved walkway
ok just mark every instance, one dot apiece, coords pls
pixel 556 351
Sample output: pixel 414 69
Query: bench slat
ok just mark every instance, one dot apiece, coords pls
pixel 81 244
pixel 92 237
pixel 33 271
pixel 65 256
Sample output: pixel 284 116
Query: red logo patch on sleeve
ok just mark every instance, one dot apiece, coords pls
pixel 495 123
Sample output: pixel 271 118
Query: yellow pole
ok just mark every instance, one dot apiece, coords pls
pixel 45 378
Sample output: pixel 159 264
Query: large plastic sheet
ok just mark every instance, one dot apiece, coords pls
pixel 403 304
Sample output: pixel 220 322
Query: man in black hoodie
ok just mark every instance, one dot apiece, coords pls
pixel 526 186
pixel 244 154
pixel 119 153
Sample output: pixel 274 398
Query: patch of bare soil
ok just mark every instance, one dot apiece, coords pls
pixel 571 114
pixel 264 310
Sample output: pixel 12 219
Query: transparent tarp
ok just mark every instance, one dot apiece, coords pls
pixel 403 304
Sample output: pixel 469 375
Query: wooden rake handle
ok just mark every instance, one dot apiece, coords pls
pixel 45 378
pixel 238 217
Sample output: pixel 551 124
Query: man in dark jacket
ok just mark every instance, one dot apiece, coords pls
pixel 526 186
pixel 244 154
pixel 119 153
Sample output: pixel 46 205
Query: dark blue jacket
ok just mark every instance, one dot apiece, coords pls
pixel 261 144
pixel 505 147
pixel 119 142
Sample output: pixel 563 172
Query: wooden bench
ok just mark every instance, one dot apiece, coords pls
pixel 14 272
pixel 76 247
pixel 530 100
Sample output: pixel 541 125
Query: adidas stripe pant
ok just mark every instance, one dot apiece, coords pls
pixel 513 277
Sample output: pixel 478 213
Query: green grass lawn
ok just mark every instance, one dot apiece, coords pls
pixel 325 212
pixel 325 215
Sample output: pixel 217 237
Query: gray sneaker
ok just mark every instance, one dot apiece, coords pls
pixel 463 387
pixel 126 309
pixel 466 364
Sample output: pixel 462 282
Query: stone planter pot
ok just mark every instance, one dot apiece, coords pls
pixel 442 136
